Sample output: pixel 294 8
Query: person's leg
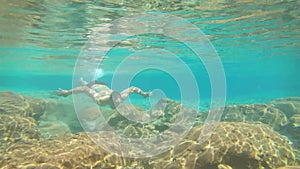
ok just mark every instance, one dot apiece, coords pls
pixel 125 93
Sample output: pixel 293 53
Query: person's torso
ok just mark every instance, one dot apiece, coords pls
pixel 102 90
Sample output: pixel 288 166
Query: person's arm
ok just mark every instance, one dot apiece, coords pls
pixel 125 93
pixel 62 92
pixel 81 89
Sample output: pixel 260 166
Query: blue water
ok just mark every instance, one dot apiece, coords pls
pixel 258 44
pixel 43 41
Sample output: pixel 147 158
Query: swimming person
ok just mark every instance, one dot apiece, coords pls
pixel 102 94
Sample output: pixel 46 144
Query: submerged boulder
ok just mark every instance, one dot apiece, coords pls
pixel 70 151
pixel 292 130
pixel 52 129
pixel 290 167
pixel 289 106
pixel 235 145
pixel 295 120
pixel 232 145
pixel 16 129
pixel 20 105
pixel 61 110
pixel 238 144
pixel 273 117
pixel 135 122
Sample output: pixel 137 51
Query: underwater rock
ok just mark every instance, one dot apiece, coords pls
pixel 297 155
pixel 158 120
pixel 17 128
pixel 133 121
pixel 25 106
pixel 91 118
pixel 133 113
pixel 71 151
pixel 51 129
pixel 289 106
pixel 292 130
pixel 290 167
pixel 95 118
pixel 232 145
pixel 61 110
pixel 128 127
pixel 56 109
pixel 167 112
pixel 222 166
pixel 295 120
pixel 255 112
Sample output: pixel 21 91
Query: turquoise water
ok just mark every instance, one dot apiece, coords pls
pixel 258 43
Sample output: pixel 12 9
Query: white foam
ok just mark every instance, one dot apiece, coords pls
pixel 99 73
